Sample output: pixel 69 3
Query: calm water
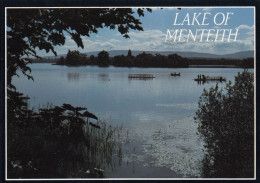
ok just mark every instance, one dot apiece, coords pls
pixel 157 113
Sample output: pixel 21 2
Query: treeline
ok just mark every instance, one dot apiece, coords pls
pixel 45 60
pixel 141 60
pixel 75 58
pixel 244 63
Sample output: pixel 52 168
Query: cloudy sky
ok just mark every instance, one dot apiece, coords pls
pixel 157 23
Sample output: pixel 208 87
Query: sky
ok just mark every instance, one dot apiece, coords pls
pixel 157 23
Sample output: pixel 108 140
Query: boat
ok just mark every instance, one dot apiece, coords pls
pixel 175 74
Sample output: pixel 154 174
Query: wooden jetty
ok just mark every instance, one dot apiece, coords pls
pixel 141 76
pixel 175 74
pixel 203 78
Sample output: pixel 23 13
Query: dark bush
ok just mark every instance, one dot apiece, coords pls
pixel 226 123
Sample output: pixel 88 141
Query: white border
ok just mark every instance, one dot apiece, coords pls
pixel 255 92
pixel 166 7
pixel 6 94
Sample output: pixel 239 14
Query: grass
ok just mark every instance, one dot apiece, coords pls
pixel 59 142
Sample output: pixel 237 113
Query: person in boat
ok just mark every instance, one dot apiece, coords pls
pixel 204 77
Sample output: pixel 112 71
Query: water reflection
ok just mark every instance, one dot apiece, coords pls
pixel 104 77
pixel 140 79
pixel 202 82
pixel 73 77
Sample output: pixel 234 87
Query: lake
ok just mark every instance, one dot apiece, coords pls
pixel 156 113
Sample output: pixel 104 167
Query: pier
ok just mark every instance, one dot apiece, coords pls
pixel 140 76
pixel 203 78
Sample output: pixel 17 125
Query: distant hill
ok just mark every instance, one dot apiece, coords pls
pixel 237 55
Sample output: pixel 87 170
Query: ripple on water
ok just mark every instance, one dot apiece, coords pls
pixel 173 144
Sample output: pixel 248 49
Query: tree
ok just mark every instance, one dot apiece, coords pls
pixel 103 58
pixel 247 63
pixel 129 54
pixel 61 61
pixel 226 123
pixel 74 58
pixel 92 60
pixel 175 60
pixel 28 29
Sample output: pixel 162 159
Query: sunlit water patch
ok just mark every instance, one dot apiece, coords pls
pixel 172 144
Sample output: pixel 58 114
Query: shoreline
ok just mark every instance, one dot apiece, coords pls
pixel 215 66
pixel 190 66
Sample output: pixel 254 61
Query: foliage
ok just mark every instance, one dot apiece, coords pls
pixel 160 61
pixel 61 61
pixel 226 123
pixel 57 142
pixel 247 63
pixel 32 29
pixel 103 58
pixel 73 58
pixel 141 60
pixel 129 54
pixel 91 58
pixel 149 60
pixel 243 63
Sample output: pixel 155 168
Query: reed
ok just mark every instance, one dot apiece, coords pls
pixel 60 142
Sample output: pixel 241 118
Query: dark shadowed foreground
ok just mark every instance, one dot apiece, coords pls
pixel 58 142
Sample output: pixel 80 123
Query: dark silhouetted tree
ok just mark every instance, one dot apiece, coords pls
pixel 129 54
pixel 61 61
pixel 75 58
pixel 247 63
pixel 226 123
pixel 103 58
pixel 92 60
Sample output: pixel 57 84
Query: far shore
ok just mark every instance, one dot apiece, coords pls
pixel 192 66
pixel 196 66
pixel 214 66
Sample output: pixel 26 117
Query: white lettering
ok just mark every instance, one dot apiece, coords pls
pixel 223 18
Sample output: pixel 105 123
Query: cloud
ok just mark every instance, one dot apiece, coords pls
pixel 151 34
pixel 245 27
pixel 251 33
pixel 245 43
pixel 246 32
pixel 154 40
pixel 214 47
pixel 89 45
pixel 114 41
